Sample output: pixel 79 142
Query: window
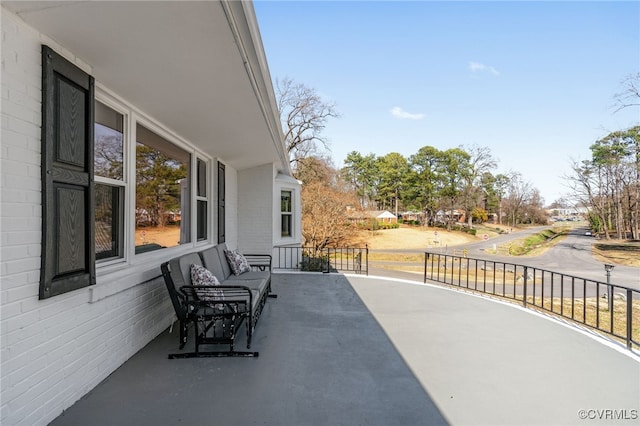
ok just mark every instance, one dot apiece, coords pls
pixel 286 213
pixel 162 192
pixel 201 200
pixel 109 182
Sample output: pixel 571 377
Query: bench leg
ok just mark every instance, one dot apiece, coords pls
pixel 184 332
pixel 214 354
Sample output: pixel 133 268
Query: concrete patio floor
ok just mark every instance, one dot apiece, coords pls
pixel 357 350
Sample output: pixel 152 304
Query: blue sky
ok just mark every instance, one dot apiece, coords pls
pixel 533 81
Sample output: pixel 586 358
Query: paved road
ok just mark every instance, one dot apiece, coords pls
pixel 572 256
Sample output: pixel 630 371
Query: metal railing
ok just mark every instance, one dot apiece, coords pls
pixel 608 308
pixel 347 259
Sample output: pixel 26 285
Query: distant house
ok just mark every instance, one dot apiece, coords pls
pixel 366 216
pixel 411 216
pixel 384 216
pixel 96 96
pixel 450 216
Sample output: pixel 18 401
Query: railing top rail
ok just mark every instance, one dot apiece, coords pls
pixel 633 290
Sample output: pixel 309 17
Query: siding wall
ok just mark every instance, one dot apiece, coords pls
pixel 231 207
pixel 53 351
pixel 255 227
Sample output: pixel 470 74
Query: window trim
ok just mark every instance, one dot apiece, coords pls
pixel 198 156
pixel 144 263
pixel 103 97
pixel 221 202
pixel 289 213
pixel 190 151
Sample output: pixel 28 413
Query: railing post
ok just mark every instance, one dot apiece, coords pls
pixel 328 261
pixel 426 261
pixel 629 318
pixel 366 247
pixel 524 289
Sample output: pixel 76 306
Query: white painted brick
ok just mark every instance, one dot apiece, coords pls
pixel 22 265
pixel 10 195
pixel 17 209
pixel 10 311
pixel 13 281
pixel 23 127
pixel 23 237
pixel 21 182
pixel 79 343
pixel 13 253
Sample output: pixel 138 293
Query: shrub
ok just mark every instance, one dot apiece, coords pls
pixel 314 264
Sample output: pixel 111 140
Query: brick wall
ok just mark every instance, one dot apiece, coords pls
pixel 53 351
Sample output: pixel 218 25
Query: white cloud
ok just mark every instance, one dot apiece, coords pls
pixel 400 113
pixel 478 67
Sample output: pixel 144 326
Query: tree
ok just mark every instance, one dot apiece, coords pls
pixel 501 186
pixel 304 115
pixel 519 194
pixel 609 183
pixel 480 162
pixel 325 203
pixel 454 169
pixel 393 170
pixel 361 172
pixel 424 181
pixel 630 95
pixel 158 185
pixel 316 169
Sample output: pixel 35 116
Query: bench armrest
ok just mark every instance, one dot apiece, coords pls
pixel 259 261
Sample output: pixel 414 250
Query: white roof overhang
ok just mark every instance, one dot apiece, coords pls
pixel 198 67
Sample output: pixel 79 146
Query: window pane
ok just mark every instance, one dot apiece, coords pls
pixel 202 220
pixel 162 193
pixel 286 225
pixel 202 179
pixel 109 142
pixel 108 221
pixel 285 205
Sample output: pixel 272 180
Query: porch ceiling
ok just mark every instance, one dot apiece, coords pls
pixel 196 66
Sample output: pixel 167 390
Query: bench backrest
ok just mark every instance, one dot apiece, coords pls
pixel 215 261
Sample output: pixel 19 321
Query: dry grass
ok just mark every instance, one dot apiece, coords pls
pixel 423 238
pixel 167 236
pixel 594 313
pixel 618 252
pixel 410 237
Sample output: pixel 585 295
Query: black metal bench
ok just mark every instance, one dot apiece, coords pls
pixel 217 321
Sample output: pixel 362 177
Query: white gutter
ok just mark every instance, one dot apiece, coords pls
pixel 255 60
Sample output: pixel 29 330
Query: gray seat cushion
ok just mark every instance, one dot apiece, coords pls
pixel 257 285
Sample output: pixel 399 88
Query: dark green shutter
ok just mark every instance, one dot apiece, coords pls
pixel 68 246
pixel 221 204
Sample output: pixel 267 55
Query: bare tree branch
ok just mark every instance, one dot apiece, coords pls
pixel 304 115
pixel 630 95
